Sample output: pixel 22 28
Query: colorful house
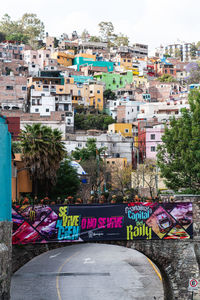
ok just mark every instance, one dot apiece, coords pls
pixel 21 181
pixel 115 81
pixel 124 128
pixel 64 59
pixel 86 61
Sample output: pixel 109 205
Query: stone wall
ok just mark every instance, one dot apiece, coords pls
pixel 5 259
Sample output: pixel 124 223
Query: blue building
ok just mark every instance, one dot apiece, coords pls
pixel 83 61
pixel 5 171
pixel 81 79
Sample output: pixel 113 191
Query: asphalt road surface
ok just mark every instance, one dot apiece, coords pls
pixel 88 272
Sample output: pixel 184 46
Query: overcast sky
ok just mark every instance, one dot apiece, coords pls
pixel 152 22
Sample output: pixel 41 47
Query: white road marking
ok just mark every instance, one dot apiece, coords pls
pixel 88 260
pixel 52 256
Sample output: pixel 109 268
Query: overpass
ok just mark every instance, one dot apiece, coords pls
pixel 177 260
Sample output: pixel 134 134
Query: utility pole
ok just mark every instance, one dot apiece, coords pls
pixel 98 173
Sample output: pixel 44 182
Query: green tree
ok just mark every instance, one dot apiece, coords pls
pixel 106 30
pixel 85 34
pixel 166 78
pixel 67 183
pixel 121 40
pixel 27 29
pixel 109 95
pixel 89 152
pixel 56 43
pixel 177 53
pixel 166 54
pixel 91 121
pixel 198 44
pixel 2 37
pixel 94 38
pixel 16 147
pixel 179 155
pixel 42 150
pixel 193 50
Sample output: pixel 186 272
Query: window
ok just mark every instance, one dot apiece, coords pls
pixel 99 100
pixel 126 130
pixel 153 148
pixel 47 55
pixel 39 55
pixel 47 109
pixel 68 81
pixel 23 88
pixel 153 136
pixel 79 145
pixel 36 110
pixel 98 91
pixel 34 56
pixel 113 162
pixel 138 108
pixel 9 87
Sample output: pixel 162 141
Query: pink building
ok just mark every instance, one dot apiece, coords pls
pixel 153 139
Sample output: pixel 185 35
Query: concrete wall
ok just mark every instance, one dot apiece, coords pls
pixel 5 259
pixel 5 209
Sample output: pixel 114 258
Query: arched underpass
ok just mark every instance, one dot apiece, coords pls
pixel 178 260
pixel 92 271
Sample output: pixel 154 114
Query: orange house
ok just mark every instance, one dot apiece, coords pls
pixel 21 181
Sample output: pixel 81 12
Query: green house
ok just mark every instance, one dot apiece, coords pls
pixel 114 81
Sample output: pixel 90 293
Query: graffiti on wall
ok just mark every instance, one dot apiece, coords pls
pixel 132 221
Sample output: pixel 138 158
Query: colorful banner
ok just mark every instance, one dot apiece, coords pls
pixel 132 221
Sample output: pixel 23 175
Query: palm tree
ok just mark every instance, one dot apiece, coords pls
pixel 43 150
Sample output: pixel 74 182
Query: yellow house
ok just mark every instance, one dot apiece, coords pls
pixel 63 58
pixel 120 162
pixel 87 55
pixel 139 80
pixel 126 62
pixel 96 96
pixel 124 128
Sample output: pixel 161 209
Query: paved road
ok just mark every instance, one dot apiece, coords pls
pixel 87 272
